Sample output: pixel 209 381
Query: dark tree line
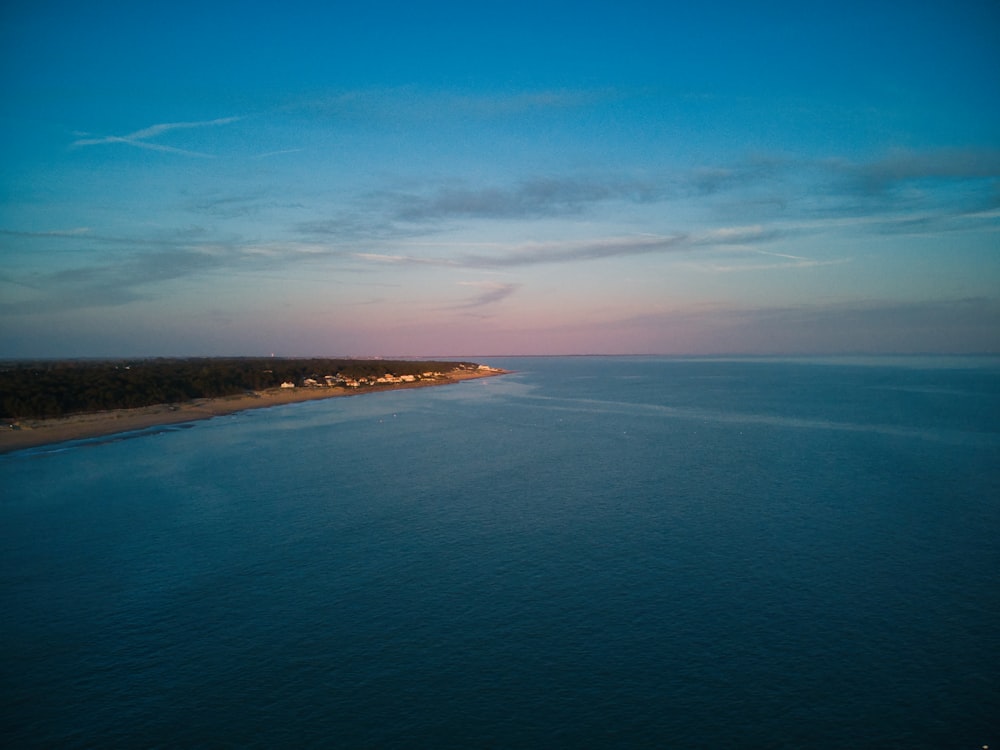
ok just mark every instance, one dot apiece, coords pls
pixel 57 388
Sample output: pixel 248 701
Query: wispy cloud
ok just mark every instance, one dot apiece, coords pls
pixel 118 278
pixel 539 253
pixel 598 248
pixel 745 235
pixel 532 198
pixel 490 292
pixel 410 227
pixel 395 213
pixel 711 179
pixel 902 166
pixel 141 138
pixel 772 194
pixel 111 284
pixel 784 265
pixel 75 232
pixel 279 152
pixel 232 205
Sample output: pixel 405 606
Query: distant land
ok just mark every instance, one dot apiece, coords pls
pixel 50 401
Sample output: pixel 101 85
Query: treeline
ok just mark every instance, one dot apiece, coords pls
pixel 56 388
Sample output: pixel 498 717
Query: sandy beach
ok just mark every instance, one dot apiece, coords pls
pixel 32 433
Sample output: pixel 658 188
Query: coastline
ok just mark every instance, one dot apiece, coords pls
pixel 35 433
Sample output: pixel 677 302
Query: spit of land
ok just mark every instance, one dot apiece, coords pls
pixel 32 433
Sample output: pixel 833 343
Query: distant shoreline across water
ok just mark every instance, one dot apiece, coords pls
pixel 35 433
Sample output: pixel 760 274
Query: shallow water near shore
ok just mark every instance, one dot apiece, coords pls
pixel 590 552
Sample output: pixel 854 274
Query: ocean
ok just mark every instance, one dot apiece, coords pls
pixel 588 552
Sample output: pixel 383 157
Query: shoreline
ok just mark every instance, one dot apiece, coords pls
pixel 36 433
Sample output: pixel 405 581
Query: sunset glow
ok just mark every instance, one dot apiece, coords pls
pixel 520 179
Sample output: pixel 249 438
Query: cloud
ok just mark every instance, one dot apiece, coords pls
pixel 491 293
pixel 942 164
pixel 767 191
pixel 229 206
pixel 533 198
pixel 279 152
pixel 598 248
pixel 140 138
pixel 251 203
pixel 112 284
pixel 799 263
pixel 48 234
pixel 902 191
pixel 539 253
pixel 609 247
pixel 350 226
pixel 943 181
pixel 394 213
pixel 708 180
pixel 737 235
pixel 121 279
pixel 117 270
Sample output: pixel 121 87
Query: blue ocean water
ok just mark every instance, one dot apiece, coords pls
pixel 590 552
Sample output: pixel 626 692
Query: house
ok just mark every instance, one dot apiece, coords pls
pixel 288 384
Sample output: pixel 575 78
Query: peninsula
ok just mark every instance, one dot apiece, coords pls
pixel 56 401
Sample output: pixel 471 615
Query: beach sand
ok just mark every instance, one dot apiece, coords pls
pixel 32 433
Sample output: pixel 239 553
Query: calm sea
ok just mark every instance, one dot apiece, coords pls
pixel 591 552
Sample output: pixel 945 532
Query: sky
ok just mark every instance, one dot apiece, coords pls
pixel 441 179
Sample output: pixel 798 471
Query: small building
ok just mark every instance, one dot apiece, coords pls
pixel 288 384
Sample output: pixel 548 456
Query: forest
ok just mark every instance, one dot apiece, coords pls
pixel 46 389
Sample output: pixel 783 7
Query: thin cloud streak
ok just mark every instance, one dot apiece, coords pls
pixel 492 292
pixel 802 263
pixel 139 138
pixel 48 234
pixel 543 253
pixel 279 152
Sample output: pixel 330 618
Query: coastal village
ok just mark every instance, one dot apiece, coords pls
pixel 340 380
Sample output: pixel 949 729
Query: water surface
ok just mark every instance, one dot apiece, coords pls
pixel 592 552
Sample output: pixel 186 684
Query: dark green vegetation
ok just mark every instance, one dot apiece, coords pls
pixel 57 388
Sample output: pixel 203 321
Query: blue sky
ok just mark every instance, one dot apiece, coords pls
pixel 406 179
